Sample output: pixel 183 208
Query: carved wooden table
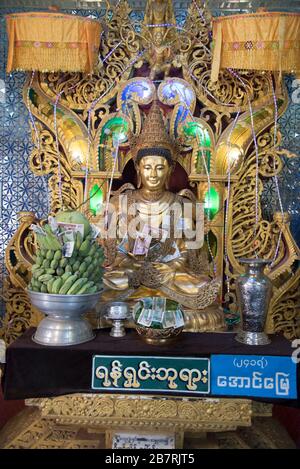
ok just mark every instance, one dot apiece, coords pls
pixel 55 418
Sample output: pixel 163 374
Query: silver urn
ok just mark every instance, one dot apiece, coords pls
pixel 117 312
pixel 254 290
pixel 64 323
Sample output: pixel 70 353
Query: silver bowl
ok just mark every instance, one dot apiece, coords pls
pixel 64 324
pixel 117 310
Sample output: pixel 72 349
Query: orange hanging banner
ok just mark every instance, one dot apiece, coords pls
pixel 257 41
pixel 50 42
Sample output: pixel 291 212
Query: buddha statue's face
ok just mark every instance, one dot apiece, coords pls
pixel 154 172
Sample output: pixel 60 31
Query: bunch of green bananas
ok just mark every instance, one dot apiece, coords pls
pixel 75 275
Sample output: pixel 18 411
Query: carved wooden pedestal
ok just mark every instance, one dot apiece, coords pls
pixel 89 421
pixel 79 420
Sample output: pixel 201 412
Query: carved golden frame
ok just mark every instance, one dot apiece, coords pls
pixel 80 97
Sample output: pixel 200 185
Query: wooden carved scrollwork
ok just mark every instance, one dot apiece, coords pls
pixel 19 257
pixel 268 239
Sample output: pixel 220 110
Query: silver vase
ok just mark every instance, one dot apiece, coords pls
pixel 64 323
pixel 254 290
pixel 117 312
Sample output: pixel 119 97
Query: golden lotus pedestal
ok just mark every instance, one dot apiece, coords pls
pixel 90 420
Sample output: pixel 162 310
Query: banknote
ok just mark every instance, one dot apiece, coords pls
pixel 179 322
pixel 145 318
pixel 141 244
pixel 159 307
pixel 123 246
pixel 169 319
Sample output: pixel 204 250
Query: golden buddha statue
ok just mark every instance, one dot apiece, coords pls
pixel 158 248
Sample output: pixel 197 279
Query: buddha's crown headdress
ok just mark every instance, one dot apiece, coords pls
pixel 154 138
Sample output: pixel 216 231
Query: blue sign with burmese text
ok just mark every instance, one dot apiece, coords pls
pixel 254 375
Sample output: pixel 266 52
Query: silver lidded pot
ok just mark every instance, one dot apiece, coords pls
pixel 64 323
pixel 254 291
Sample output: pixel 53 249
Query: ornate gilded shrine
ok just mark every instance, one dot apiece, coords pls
pixel 81 122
